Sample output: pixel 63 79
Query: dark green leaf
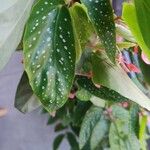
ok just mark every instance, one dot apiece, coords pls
pixel 102 92
pixel 49 53
pixel 57 141
pixel 92 116
pixel 101 15
pixel 72 141
pixel 25 100
pixel 79 112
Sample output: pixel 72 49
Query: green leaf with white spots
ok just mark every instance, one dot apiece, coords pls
pixel 25 100
pixel 82 25
pixel 49 53
pixel 101 15
pixel 102 92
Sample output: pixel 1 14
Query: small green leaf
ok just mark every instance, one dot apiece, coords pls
pixel 101 15
pixel 72 141
pixel 102 92
pixel 49 53
pixel 83 95
pixel 129 16
pixel 25 100
pixel 58 141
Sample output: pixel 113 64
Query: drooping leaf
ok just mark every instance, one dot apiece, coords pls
pixel 120 136
pixel 82 25
pixel 129 16
pixel 92 116
pixel 25 100
pixel 102 92
pixel 58 141
pixel 72 141
pixel 101 15
pixel 13 16
pixel 115 78
pixel 49 53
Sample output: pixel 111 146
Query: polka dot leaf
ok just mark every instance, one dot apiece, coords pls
pixel 101 15
pixel 49 53
pixel 102 92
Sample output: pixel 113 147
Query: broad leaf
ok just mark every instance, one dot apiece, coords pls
pixel 115 78
pixel 120 135
pixel 58 141
pixel 82 26
pixel 129 16
pixel 91 118
pixel 101 15
pixel 25 100
pixel 49 53
pixel 13 16
pixel 102 92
